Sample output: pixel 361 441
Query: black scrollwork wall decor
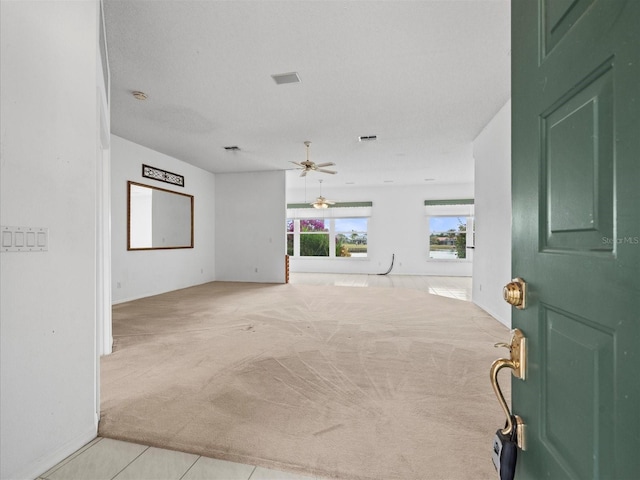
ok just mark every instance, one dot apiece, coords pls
pixel 162 175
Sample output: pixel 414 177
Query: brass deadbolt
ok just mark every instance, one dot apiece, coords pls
pixel 514 293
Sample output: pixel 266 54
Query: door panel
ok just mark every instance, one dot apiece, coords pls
pixel 577 152
pixel 576 234
pixel 581 349
pixel 557 18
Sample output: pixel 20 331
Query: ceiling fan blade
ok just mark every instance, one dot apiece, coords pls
pixel 327 164
pixel 304 173
pixel 332 172
pixel 298 164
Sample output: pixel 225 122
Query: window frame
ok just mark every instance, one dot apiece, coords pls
pixel 469 237
pixel 332 232
pixel 461 208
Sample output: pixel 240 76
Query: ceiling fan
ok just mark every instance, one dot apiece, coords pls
pixel 309 166
pixel 322 202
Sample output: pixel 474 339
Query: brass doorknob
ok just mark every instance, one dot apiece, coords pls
pixel 514 293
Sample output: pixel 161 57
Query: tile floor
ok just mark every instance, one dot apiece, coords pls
pixel 453 287
pixel 106 459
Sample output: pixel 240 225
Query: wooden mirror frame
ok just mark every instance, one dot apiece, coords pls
pixel 156 247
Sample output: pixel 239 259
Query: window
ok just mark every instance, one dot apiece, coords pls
pixel 448 238
pixel 351 237
pixel 290 236
pixel 329 237
pixel 314 238
pixel 451 229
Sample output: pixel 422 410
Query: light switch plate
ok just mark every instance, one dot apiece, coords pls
pixel 24 239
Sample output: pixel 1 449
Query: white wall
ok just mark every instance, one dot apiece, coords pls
pixel 250 227
pixel 141 273
pixel 398 225
pixel 49 176
pixel 492 260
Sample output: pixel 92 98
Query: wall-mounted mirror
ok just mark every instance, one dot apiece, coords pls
pixel 158 218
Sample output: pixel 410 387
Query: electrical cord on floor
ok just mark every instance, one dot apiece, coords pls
pixel 393 257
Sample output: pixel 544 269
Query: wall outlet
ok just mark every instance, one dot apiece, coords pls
pixel 256 269
pixel 118 285
pixel 202 270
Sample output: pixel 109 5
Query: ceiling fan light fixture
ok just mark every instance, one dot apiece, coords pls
pixel 322 202
pixel 309 166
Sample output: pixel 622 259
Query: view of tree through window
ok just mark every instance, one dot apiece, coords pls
pixel 290 235
pixel 448 237
pixel 351 237
pixel 314 238
pixel 339 237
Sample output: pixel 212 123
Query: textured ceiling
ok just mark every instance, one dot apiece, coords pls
pixel 424 76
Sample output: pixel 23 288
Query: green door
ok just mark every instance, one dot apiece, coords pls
pixel 576 235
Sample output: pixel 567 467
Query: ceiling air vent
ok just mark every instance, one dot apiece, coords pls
pixel 367 138
pixel 233 148
pixel 282 78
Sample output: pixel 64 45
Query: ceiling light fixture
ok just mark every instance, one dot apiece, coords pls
pixel 322 202
pixel 367 138
pixel 282 78
pixel 233 148
pixel 139 95
pixel 309 166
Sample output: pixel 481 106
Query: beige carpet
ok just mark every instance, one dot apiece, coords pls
pixel 352 383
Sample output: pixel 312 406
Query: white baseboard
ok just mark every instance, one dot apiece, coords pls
pixel 45 463
pixel 161 291
pixel 506 322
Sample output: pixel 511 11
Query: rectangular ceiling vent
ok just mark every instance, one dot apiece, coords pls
pixel 233 148
pixel 282 78
pixel 367 138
